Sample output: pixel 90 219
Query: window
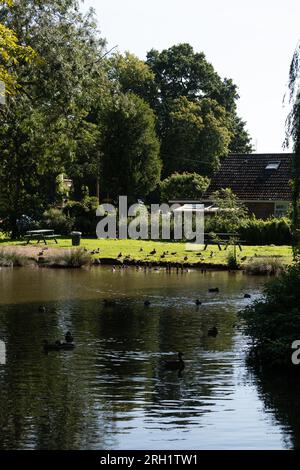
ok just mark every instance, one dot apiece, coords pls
pixel 273 166
pixel 281 209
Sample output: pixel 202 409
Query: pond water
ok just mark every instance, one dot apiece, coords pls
pixel 112 391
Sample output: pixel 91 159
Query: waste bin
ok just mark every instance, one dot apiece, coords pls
pixel 76 237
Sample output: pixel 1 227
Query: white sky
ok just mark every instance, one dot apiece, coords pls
pixel 250 41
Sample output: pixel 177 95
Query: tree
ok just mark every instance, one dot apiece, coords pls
pixel 42 129
pixel 293 137
pixel 131 163
pixel 11 54
pixel 196 135
pixel 183 186
pixel 132 75
pixel 181 72
pixel 230 210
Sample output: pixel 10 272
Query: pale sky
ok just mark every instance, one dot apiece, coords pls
pixel 250 41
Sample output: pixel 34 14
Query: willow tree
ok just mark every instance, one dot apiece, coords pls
pixel 293 138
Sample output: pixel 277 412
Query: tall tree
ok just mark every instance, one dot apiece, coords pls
pixel 196 135
pixel 11 54
pixel 180 72
pixel 42 128
pixel 293 138
pixel 131 161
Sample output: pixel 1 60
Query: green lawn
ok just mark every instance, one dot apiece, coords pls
pixel 175 252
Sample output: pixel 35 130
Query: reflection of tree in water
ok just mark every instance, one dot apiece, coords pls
pixel 184 396
pixel 280 394
pixel 44 402
pixel 77 400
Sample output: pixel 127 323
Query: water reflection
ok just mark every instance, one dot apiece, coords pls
pixel 112 391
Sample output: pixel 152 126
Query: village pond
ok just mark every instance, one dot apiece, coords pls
pixel 112 391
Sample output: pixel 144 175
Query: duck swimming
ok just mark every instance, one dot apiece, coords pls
pixel 198 302
pixel 68 337
pixel 175 365
pixel 147 303
pixel 213 332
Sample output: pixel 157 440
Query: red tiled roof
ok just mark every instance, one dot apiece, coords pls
pixel 248 178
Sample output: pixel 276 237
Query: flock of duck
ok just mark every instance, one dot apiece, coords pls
pixel 179 365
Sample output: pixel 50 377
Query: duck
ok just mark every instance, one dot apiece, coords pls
pixel 42 309
pixel 120 255
pixel 68 337
pixel 214 289
pixel 213 332
pixel 185 258
pixel 147 303
pixel 175 365
pixel 153 252
pixel 198 302
pixel 247 296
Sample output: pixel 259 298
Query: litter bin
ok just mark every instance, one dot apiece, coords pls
pixel 76 237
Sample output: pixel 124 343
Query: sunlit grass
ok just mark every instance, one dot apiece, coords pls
pixel 137 250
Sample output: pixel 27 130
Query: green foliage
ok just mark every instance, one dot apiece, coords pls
pixel 266 232
pixel 71 259
pixel 132 75
pixel 230 210
pixel 293 134
pixel 182 73
pixel 58 221
pixel 12 259
pixel 265 265
pixel 131 162
pixel 183 186
pixel 41 129
pixel 196 135
pixel 274 321
pixel 232 261
pixel 83 214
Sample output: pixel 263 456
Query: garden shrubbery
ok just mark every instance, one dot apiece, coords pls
pixel 254 231
pixel 274 321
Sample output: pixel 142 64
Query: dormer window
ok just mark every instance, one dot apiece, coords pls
pixel 273 165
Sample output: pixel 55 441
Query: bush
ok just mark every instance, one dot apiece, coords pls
pixel 255 231
pixel 274 322
pixel 265 265
pixel 183 186
pixel 266 232
pixel 71 259
pixel 58 221
pixel 84 214
pixel 11 259
pixel 232 262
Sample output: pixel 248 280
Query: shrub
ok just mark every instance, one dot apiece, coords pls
pixel 58 221
pixel 71 259
pixel 84 214
pixel 265 265
pixel 266 232
pixel 232 262
pixel 274 321
pixel 183 186
pixel 254 231
pixel 12 259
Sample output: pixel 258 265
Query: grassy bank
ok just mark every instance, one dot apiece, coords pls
pixel 153 252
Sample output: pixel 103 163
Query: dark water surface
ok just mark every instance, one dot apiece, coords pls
pixel 112 391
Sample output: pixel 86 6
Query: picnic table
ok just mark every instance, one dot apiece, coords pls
pixel 41 235
pixel 223 239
